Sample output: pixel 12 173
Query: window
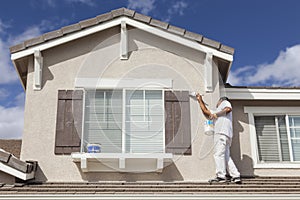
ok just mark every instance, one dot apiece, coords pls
pixel 278 138
pixel 274 136
pixel 103 119
pixel 144 121
pixel 125 121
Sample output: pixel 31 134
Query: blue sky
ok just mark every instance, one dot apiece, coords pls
pixel 264 33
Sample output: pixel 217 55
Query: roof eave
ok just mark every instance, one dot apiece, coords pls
pixel 115 22
pixel 255 93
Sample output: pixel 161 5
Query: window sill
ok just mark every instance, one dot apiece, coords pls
pixel 277 165
pixel 122 162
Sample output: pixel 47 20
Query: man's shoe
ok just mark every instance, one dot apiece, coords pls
pixel 217 180
pixel 236 180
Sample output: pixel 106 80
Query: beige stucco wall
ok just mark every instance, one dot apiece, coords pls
pixel 241 148
pixel 97 56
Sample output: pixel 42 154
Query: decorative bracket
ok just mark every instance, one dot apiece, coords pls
pixel 209 72
pixel 38 67
pixel 124 42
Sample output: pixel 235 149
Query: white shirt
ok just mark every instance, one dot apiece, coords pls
pixel 223 124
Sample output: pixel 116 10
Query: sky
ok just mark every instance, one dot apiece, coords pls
pixel 264 33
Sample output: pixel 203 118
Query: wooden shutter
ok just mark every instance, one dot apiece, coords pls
pixel 69 121
pixel 177 124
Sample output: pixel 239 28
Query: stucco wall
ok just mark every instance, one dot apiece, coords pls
pixel 97 56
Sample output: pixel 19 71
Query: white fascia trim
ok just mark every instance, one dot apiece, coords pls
pixel 156 31
pixel 179 39
pixel 270 110
pixel 107 83
pixel 262 94
pixel 16 173
pixel 260 111
pixel 65 39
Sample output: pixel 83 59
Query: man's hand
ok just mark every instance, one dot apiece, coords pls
pixel 213 116
pixel 199 97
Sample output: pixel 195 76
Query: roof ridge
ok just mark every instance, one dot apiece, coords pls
pixel 83 24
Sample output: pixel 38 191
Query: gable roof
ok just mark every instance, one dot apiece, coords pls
pixel 20 53
pixel 118 13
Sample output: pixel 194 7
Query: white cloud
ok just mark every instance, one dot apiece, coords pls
pixel 12 119
pixel 8 73
pixel 144 6
pixel 11 122
pixel 177 8
pixel 284 71
pixel 6 67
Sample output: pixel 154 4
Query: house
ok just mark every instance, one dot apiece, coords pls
pixel 107 99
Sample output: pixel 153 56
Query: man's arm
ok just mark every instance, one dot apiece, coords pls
pixel 204 109
pixel 223 112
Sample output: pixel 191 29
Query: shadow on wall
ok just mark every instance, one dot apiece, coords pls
pixel 40 176
pixel 243 162
pixel 170 173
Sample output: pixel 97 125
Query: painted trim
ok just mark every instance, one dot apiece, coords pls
pixel 161 33
pixel 77 156
pixel 120 158
pixel 65 39
pixel 261 111
pixel 123 41
pixel 208 63
pixel 16 173
pixel 107 83
pixel 38 70
pixel 262 94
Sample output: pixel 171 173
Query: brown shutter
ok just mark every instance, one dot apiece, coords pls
pixel 177 125
pixel 69 121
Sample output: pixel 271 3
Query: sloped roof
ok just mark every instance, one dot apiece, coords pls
pixel 119 13
pixel 257 188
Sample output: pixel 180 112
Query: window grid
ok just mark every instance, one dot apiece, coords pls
pixel 291 134
pixel 106 111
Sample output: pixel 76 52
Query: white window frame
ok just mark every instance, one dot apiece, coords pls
pixel 124 115
pixel 264 111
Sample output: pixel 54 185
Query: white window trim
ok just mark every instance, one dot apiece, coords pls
pixel 111 83
pixel 252 111
pixel 123 117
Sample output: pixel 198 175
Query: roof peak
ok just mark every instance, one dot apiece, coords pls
pixel 87 23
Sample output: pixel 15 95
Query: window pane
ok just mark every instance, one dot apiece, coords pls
pixel 296 149
pixel 103 119
pixel 267 138
pixel 294 121
pixel 144 121
pixel 284 143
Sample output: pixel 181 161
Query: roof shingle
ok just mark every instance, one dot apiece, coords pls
pixel 118 13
